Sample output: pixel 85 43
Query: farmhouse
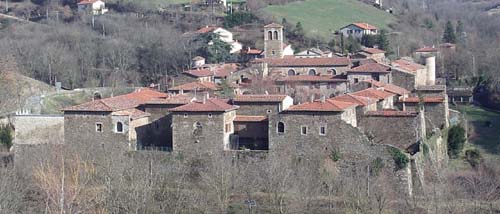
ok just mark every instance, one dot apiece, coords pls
pixel 357 30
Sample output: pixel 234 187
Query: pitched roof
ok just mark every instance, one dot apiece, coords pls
pixel 407 65
pixel 311 78
pixel 426 50
pixel 225 70
pixel 207 29
pixel 133 113
pixel 328 105
pixel 371 68
pixel 197 85
pixel 245 118
pixel 200 72
pixel 364 26
pixel 429 99
pixel 260 98
pixel 373 50
pixel 173 100
pixel 373 93
pixel 275 25
pixel 305 62
pixel 360 101
pixel 209 105
pixel 391 113
pixel 87 1
pixel 389 87
pixel 126 101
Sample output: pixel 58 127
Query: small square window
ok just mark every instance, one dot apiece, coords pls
pixel 98 127
pixel 209 115
pixel 185 115
pixel 356 80
pixel 303 130
pixel 322 130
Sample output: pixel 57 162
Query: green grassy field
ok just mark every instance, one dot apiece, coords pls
pixel 320 17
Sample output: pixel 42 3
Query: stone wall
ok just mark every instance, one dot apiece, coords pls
pixel 80 128
pixel 385 78
pixel 302 91
pixel 403 79
pixel 330 70
pixel 435 114
pixel 257 109
pixel 38 129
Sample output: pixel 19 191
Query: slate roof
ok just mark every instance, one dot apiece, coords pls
pixel 126 101
pixel 209 105
pixel 328 105
pixel 260 98
pixel 371 68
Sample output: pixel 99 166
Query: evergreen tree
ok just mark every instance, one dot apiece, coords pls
pixel 299 31
pixel 353 45
pixel 214 49
pixel 369 40
pixel 383 41
pixel 449 33
pixel 460 32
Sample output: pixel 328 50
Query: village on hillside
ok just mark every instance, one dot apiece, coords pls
pixel 352 110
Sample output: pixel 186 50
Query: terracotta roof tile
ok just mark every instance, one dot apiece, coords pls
pixel 199 86
pixel 426 50
pixel 373 50
pixel 429 99
pixel 207 29
pixel 225 70
pixel 305 62
pixel 407 65
pixel 373 93
pixel 360 101
pixel 126 101
pixel 311 78
pixel 245 118
pixel 365 26
pixel 260 98
pixel 371 68
pixel 391 113
pixel 328 105
pixel 210 105
pixel 178 99
pixel 133 113
pixel 200 72
pixel 388 87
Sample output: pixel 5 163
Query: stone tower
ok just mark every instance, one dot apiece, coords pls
pixel 273 41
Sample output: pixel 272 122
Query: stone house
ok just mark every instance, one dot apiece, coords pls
pixel 203 126
pixel 370 53
pixel 370 71
pixel 250 133
pixel 364 104
pixel 435 108
pixel 357 30
pixel 313 53
pixel 195 87
pixel 251 54
pixel 303 87
pixel 408 74
pixel 391 88
pixel 95 7
pixel 194 75
pixel 197 62
pixel 385 100
pixel 261 105
pixel 116 121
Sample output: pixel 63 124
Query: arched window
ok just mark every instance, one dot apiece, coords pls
pixel 281 128
pixel 119 127
pixel 97 95
pixel 197 129
pixel 270 35
pixel 276 35
pixel 332 71
pixel 312 72
pixel 291 72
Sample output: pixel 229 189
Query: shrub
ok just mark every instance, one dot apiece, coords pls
pixel 456 141
pixel 5 136
pixel 473 156
pixel 238 18
pixel 400 159
pixel 335 155
pixel 376 166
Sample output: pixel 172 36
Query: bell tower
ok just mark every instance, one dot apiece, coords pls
pixel 273 41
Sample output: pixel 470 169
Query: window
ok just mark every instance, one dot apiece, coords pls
pixel 228 127
pixel 276 35
pixel 358 31
pixel 269 111
pixel 349 31
pixel 303 130
pixel 209 115
pixel 197 129
pixel 98 127
pixel 280 128
pixel 291 72
pixel 356 80
pixel 273 52
pixel 332 71
pixel 270 35
pixel 312 72
pixel 185 115
pixel 119 127
pixel 322 130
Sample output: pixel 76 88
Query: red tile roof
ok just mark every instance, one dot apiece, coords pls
pixel 207 29
pixel 426 50
pixel 349 98
pixel 133 113
pixel 407 65
pixel 364 26
pixel 373 93
pixel 373 50
pixel 178 99
pixel 260 98
pixel 225 70
pixel 328 105
pixel 245 118
pixel 371 68
pixel 197 85
pixel 391 113
pixel 210 105
pixel 87 2
pixel 388 87
pixel 126 101
pixel 311 78
pixel 305 62
pixel 429 99
pixel 200 72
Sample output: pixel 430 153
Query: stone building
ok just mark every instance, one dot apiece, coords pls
pixel 370 53
pixel 116 121
pixel 364 104
pixel 435 108
pixel 195 87
pixel 203 126
pixel 306 66
pixel 303 87
pixel 262 105
pixel 370 71
pixel 273 41
pixel 385 100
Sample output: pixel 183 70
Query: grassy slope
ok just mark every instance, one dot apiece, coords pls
pixel 483 137
pixel 319 17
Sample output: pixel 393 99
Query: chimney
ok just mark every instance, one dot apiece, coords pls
pixel 430 64
pixel 312 98
pixel 323 99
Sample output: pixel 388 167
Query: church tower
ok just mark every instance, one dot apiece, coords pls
pixel 273 41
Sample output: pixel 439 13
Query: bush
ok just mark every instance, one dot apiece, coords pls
pixel 376 166
pixel 473 156
pixel 335 155
pixel 5 136
pixel 238 18
pixel 456 141
pixel 399 158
